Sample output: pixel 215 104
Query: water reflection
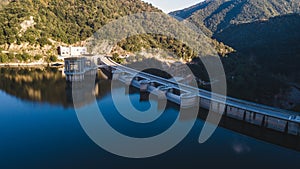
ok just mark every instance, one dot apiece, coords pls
pixel 48 85
pixel 35 84
pixel 240 147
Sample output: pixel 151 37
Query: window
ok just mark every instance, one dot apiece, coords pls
pixel 74 67
pixel 88 63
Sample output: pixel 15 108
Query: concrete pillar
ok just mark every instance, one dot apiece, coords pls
pixel 254 118
pixel 276 124
pixel 235 113
pixel 144 85
pixel 189 100
pixel 128 80
pixel 144 96
pixel 221 108
pixel 116 74
pixel 225 110
pixel 214 106
pixel 293 128
pixel 205 103
pixel 160 95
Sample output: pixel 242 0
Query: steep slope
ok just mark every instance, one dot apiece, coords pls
pixel 217 15
pixel 36 25
pixel 273 43
pixel 187 12
pixel 265 34
pixel 264 30
pixel 30 29
pixel 68 21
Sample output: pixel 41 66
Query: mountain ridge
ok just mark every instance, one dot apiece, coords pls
pixel 266 38
pixel 217 15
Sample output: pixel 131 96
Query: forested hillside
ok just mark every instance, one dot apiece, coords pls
pixel 265 35
pixel 30 25
pixel 217 15
pixel 68 21
pixel 32 29
pixel 273 43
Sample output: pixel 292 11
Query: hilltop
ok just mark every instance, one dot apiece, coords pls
pixel 218 15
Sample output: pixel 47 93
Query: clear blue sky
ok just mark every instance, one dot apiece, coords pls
pixel 172 5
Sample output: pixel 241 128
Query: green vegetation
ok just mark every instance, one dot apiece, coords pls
pixel 19 57
pixel 272 44
pixel 268 57
pixel 3 58
pixel 72 21
pixel 265 35
pixel 147 41
pixel 53 58
pixel 38 57
pixel 217 15
pixel 65 21
pixel 116 58
pixel 68 21
pixel 172 45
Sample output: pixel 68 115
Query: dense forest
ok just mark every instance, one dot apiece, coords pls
pixel 67 22
pixel 32 29
pixel 265 35
pixel 217 15
pixel 273 43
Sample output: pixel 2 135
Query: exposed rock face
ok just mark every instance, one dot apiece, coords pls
pixel 27 24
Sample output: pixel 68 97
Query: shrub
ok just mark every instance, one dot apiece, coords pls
pixel 37 57
pixel 3 58
pixel 11 56
pixel 26 57
pixel 115 57
pixel 43 41
pixel 19 57
pixel 53 58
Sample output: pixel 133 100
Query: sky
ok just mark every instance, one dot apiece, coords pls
pixel 172 5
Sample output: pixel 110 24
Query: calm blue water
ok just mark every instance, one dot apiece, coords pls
pixel 41 130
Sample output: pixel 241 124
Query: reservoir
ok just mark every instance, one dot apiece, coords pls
pixel 39 128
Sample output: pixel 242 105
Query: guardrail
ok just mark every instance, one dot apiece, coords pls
pixel 233 102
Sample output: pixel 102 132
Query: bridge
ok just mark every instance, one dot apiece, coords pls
pixel 187 96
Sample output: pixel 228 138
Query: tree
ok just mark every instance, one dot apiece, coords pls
pixel 53 58
pixel 3 58
pixel 116 58
pixel 38 57
pixel 43 41
pixel 26 57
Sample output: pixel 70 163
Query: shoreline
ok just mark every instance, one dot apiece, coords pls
pixel 36 64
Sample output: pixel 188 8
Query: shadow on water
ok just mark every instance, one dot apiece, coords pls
pixel 261 133
pixel 48 85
